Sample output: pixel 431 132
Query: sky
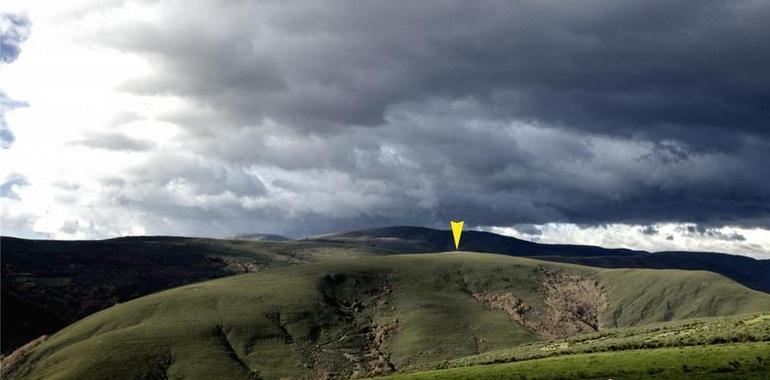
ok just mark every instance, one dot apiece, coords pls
pixel 639 124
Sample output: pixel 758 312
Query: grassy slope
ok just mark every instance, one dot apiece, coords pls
pixel 726 361
pixel 668 297
pixel 321 318
pixel 689 332
pixel 712 348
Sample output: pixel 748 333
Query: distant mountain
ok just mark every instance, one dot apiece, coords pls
pixel 259 237
pixel 406 239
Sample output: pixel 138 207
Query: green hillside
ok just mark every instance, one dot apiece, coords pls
pixel 48 284
pixel 717 362
pixel 740 329
pixel 667 297
pixel 713 348
pixel 368 316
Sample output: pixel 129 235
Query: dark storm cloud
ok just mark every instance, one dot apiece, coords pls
pixel 652 68
pixel 431 167
pixel 14 29
pixel 494 111
pixel 704 231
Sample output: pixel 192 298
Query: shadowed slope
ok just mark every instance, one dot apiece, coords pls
pixel 47 284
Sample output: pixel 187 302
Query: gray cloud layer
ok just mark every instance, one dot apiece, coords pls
pixel 654 68
pixel 116 141
pixel 312 117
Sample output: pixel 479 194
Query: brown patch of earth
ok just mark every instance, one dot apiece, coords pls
pixel 236 266
pixel 7 364
pixel 572 306
pixel 379 363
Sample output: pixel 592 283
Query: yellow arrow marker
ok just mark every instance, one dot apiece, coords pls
pixel 457 230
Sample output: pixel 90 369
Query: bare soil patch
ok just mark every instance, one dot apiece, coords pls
pixel 572 306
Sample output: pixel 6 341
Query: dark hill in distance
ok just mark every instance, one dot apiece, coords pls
pixel 404 239
pixel 259 237
pixel 407 239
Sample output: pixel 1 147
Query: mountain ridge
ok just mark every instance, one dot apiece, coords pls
pixel 749 271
